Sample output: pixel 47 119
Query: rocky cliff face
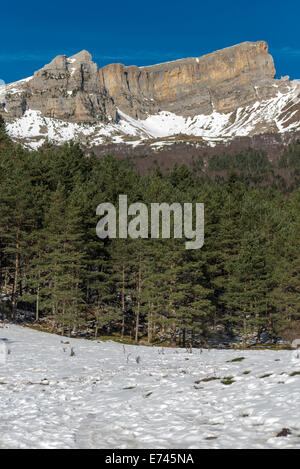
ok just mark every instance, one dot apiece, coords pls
pixel 228 83
pixel 67 89
pixel 221 81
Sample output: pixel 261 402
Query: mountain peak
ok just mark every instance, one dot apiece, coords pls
pixel 82 56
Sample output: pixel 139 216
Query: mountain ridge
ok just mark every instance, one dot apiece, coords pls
pixel 228 93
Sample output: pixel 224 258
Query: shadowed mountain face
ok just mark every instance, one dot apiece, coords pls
pixel 271 157
pixel 228 93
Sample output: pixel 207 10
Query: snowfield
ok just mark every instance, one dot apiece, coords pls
pixel 110 396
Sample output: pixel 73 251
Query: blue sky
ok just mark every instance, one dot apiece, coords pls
pixel 33 32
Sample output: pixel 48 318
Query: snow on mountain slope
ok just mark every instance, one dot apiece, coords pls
pixel 103 397
pixel 71 98
pixel 279 114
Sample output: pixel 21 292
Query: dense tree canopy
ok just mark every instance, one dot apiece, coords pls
pixel 245 277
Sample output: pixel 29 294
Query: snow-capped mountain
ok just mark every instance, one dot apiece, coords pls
pixel 217 97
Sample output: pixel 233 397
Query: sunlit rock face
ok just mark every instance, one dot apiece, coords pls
pixel 66 88
pixel 221 81
pixel 228 93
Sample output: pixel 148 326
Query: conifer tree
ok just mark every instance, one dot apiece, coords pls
pixel 63 260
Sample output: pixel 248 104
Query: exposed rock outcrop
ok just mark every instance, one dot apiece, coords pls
pixel 232 82
pixel 66 88
pixel 221 81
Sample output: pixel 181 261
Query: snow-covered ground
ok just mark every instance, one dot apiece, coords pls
pixel 110 396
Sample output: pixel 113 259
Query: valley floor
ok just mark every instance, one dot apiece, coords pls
pixel 106 395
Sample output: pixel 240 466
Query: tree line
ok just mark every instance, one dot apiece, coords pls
pixel 245 278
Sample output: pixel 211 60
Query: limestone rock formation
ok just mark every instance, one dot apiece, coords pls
pixel 66 88
pixel 221 81
pixel 230 83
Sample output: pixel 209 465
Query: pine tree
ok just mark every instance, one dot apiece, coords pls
pixel 63 261
pixel 17 211
pixel 286 274
pixel 248 290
